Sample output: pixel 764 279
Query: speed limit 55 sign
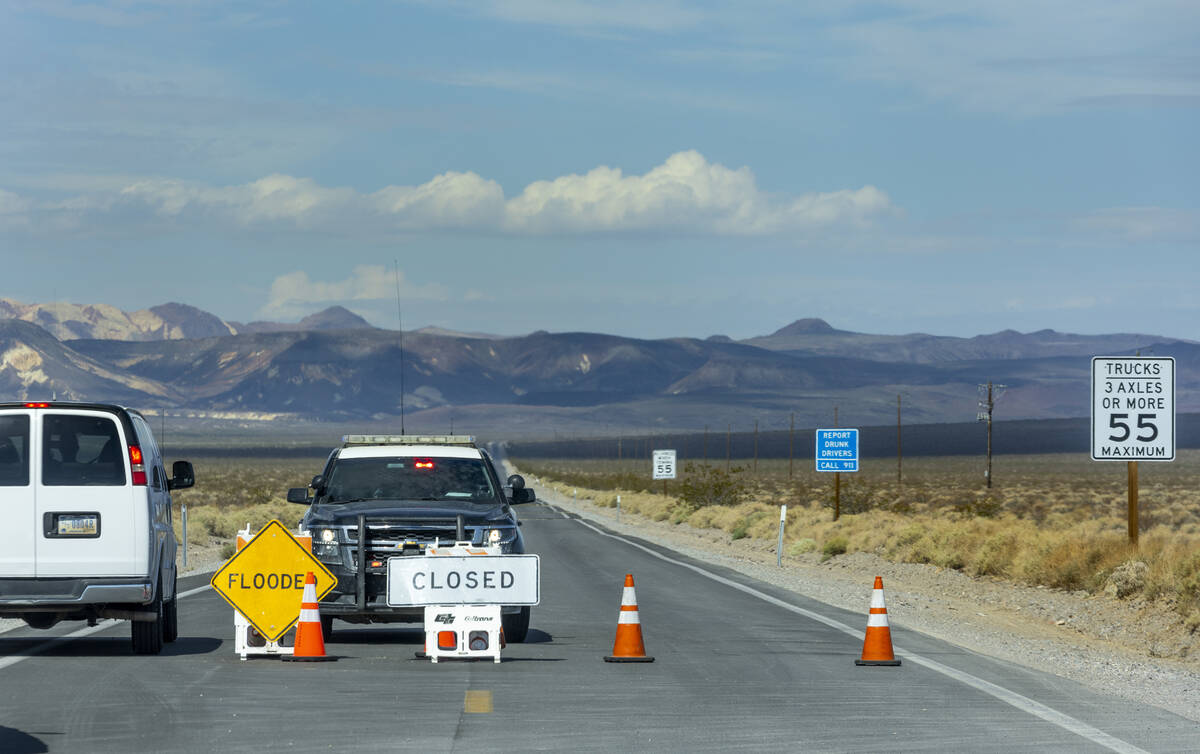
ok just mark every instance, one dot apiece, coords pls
pixel 1133 408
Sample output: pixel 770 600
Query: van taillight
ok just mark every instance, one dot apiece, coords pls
pixel 136 466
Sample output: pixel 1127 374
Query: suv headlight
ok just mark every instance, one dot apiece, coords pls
pixel 325 546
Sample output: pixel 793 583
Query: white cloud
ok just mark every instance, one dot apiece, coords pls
pixel 14 211
pixel 1143 223
pixel 296 294
pixel 685 195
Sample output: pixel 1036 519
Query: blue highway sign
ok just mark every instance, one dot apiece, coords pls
pixel 837 450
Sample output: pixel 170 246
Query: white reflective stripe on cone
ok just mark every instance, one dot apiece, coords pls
pixel 877 620
pixel 628 597
pixel 310 616
pixel 877 598
pixel 310 594
pixel 628 616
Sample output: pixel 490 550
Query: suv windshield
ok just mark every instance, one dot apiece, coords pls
pixel 383 478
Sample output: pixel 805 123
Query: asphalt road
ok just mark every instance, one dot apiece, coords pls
pixel 739 665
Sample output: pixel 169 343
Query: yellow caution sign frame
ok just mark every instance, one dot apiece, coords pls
pixel 259 581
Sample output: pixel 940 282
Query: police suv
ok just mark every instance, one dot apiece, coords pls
pixel 86 508
pixel 392 496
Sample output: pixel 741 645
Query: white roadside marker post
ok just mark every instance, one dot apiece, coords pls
pixel 779 549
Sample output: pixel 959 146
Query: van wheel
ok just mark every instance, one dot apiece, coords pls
pixel 171 617
pixel 516 626
pixel 148 635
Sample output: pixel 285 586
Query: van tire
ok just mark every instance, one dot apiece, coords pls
pixel 148 635
pixel 171 617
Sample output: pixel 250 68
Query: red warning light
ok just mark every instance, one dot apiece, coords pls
pixel 423 463
pixel 37 405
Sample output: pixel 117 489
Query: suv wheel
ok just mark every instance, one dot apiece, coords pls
pixel 516 625
pixel 148 635
pixel 171 616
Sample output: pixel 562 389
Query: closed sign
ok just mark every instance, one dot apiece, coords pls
pixel 463 580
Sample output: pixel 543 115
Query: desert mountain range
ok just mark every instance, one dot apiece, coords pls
pixel 333 365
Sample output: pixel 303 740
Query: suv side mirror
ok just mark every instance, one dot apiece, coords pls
pixel 182 476
pixel 299 495
pixel 522 496
pixel 520 493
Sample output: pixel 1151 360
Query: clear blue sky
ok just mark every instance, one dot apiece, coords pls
pixel 649 168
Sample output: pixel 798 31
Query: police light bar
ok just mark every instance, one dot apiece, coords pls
pixel 467 440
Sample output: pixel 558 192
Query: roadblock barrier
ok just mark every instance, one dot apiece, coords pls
pixel 628 645
pixel 310 641
pixel 877 644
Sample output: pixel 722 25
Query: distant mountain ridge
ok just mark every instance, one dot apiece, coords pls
pixel 170 321
pixel 341 368
pixel 815 337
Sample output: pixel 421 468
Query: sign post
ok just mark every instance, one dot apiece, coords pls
pixel 664 466
pixel 1133 416
pixel 837 451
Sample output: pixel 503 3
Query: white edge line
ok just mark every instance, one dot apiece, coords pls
pixel 1023 703
pixel 37 649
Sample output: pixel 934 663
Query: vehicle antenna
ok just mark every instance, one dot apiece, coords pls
pixel 400 320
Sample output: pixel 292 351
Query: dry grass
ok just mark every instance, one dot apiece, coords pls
pixel 1055 520
pixel 233 492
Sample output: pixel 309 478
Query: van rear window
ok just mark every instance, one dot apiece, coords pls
pixel 14 450
pixel 81 451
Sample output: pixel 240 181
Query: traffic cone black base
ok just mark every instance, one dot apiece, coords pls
pixel 877 662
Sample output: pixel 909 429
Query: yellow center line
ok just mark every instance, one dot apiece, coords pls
pixel 478 702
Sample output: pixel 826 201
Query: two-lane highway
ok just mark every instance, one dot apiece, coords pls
pixel 739 665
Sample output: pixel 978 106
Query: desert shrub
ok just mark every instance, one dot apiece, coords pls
pixel 711 485
pixel 986 506
pixel 801 546
pixel 1127 579
pixel 834 546
pixel 995 556
pixel 855 496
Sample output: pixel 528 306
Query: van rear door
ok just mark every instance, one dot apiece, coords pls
pixel 86 515
pixel 17 504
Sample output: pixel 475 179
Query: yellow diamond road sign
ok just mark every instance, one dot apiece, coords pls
pixel 264 581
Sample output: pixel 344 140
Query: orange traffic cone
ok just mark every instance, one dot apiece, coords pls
pixel 877 646
pixel 628 646
pixel 310 642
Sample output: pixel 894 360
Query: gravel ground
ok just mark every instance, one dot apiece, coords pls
pixel 1125 648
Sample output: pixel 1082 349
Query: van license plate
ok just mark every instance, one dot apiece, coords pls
pixel 77 525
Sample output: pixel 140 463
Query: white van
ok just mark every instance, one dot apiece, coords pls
pixel 86 507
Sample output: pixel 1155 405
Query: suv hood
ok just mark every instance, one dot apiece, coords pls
pixel 348 513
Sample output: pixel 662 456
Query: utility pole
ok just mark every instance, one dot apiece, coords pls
pixel 791 443
pixel 756 446
pixel 728 446
pixel 989 394
pixel 705 444
pixel 899 454
pixel 837 478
